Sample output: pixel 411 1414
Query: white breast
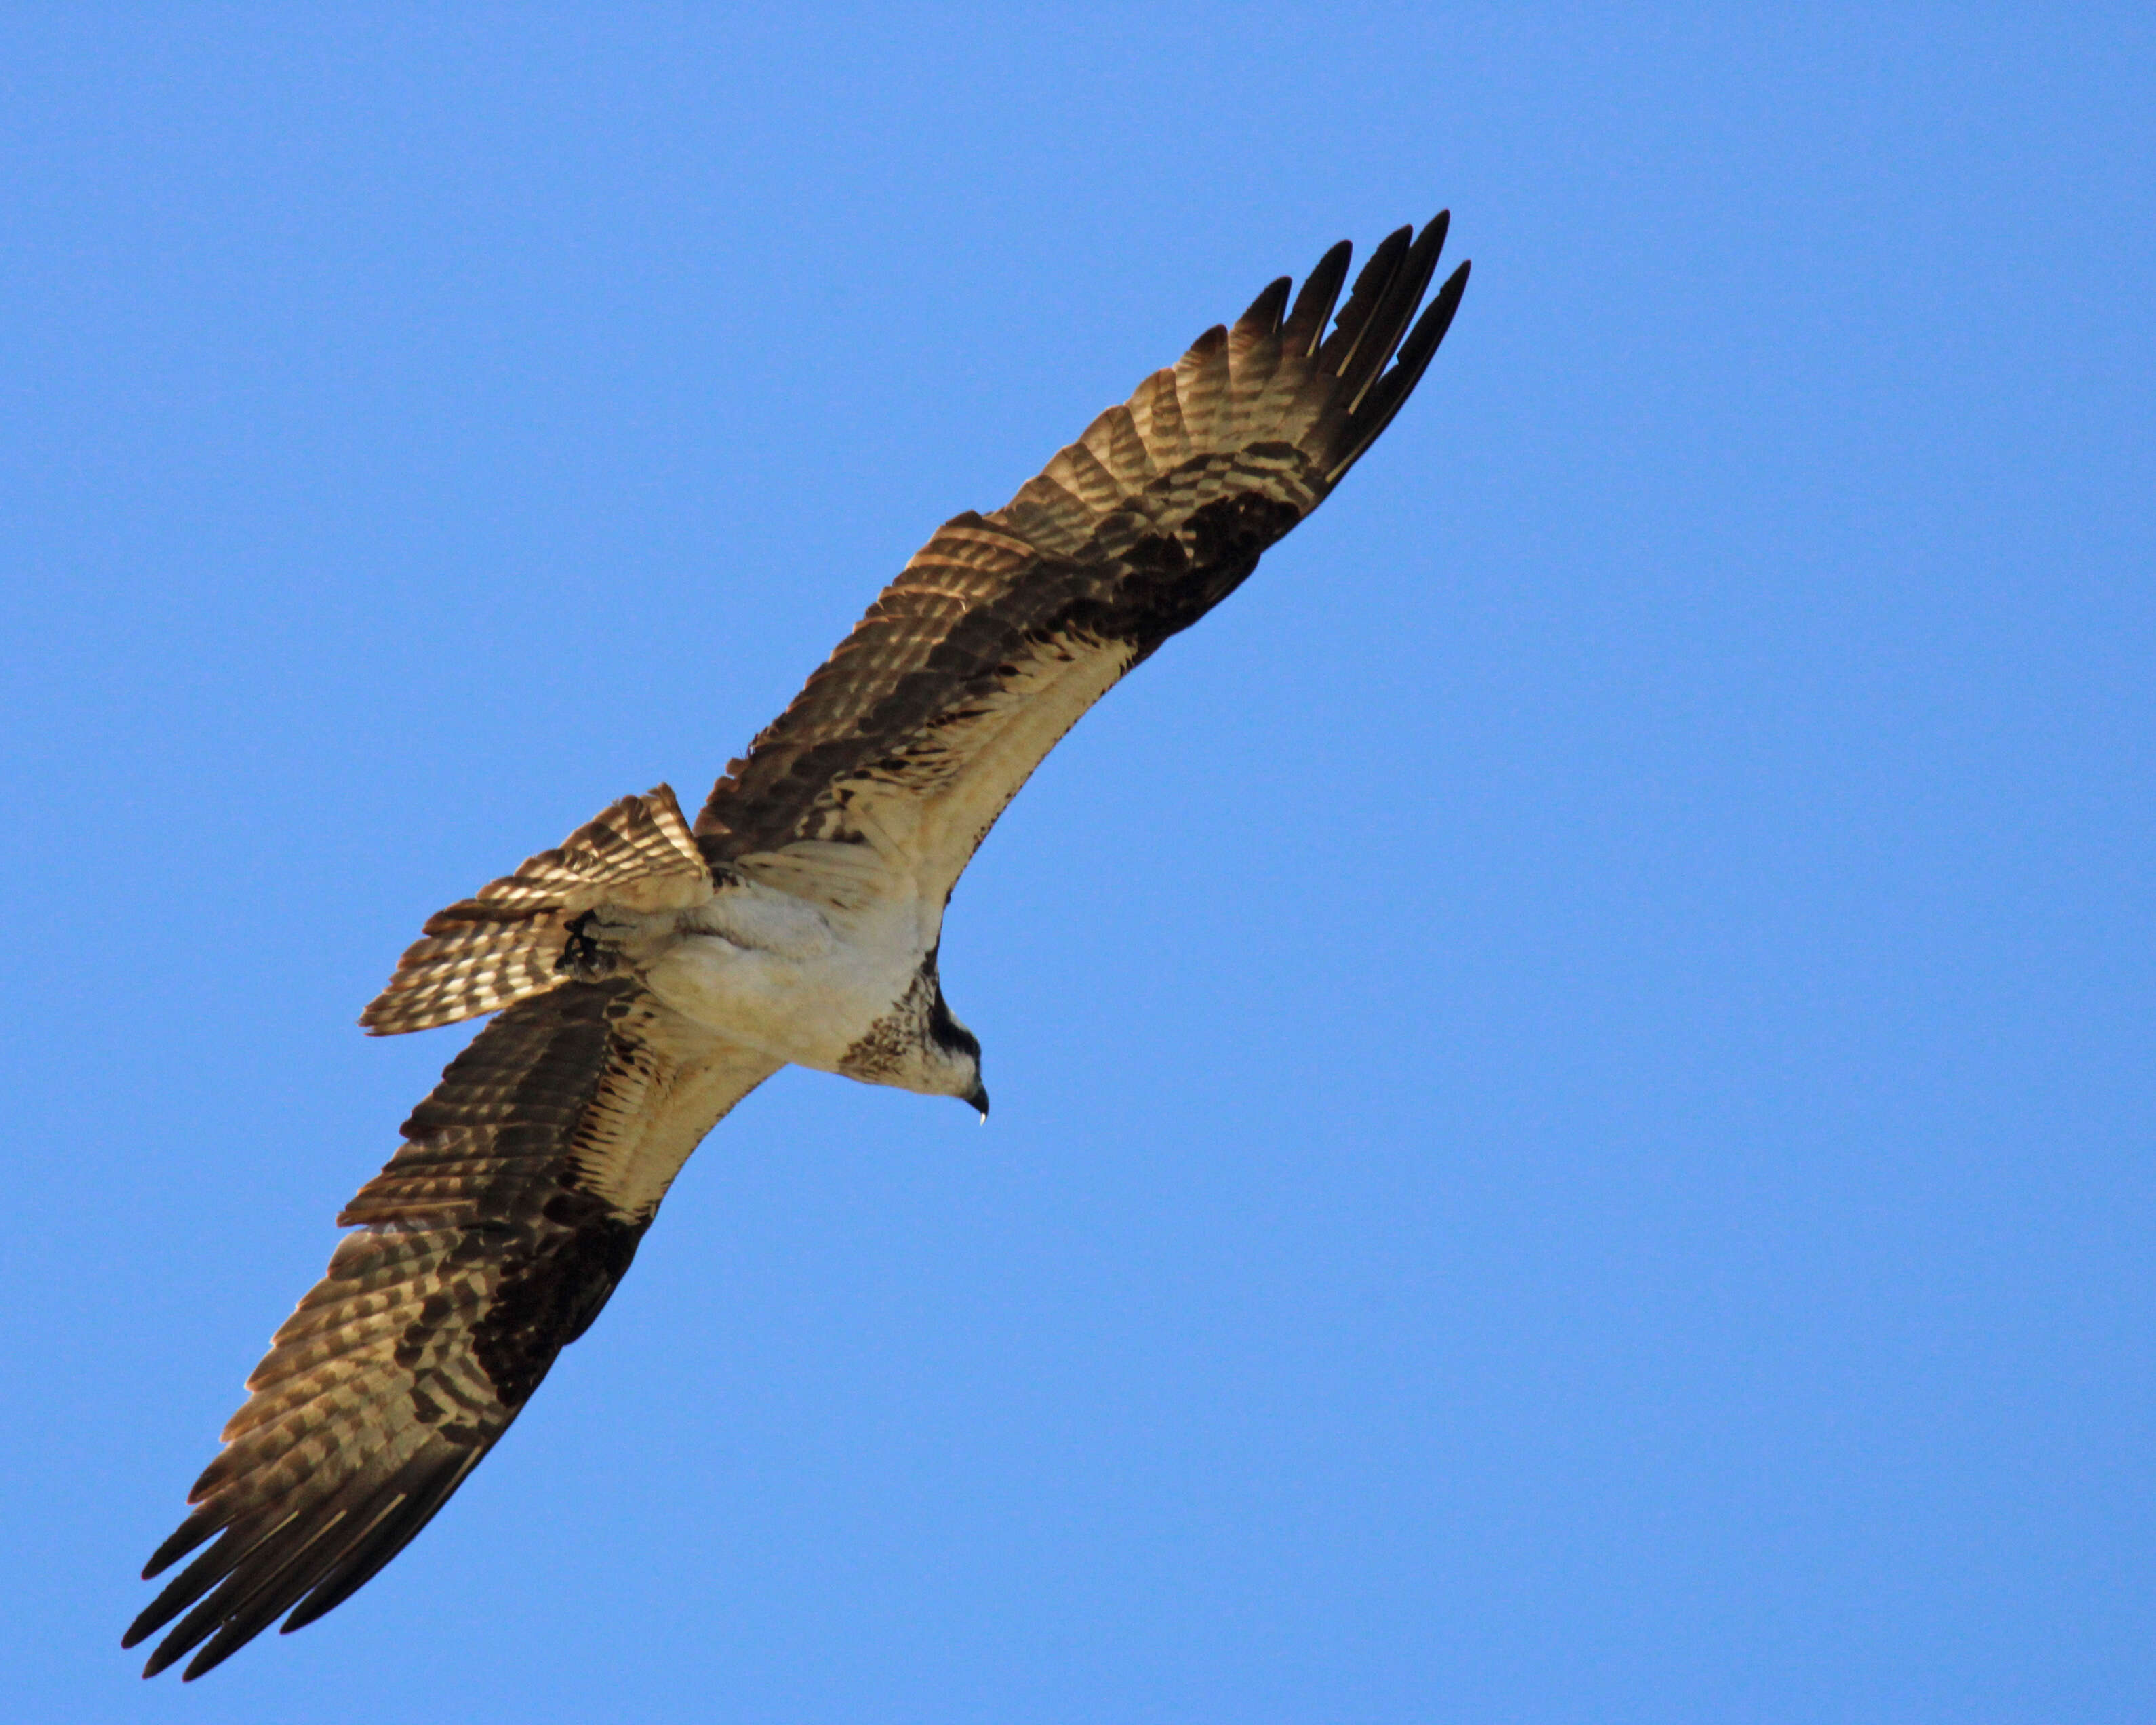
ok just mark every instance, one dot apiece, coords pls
pixel 791 978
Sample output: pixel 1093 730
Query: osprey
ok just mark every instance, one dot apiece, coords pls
pixel 648 973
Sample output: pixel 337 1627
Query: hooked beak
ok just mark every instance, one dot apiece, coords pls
pixel 979 1100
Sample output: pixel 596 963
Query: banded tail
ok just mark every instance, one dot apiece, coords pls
pixel 512 940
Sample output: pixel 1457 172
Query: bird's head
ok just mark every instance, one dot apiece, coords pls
pixel 954 1054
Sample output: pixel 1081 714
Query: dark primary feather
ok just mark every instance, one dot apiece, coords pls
pixel 483 1249
pixel 1130 534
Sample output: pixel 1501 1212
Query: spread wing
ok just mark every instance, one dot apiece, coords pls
pixel 1005 627
pixel 490 1242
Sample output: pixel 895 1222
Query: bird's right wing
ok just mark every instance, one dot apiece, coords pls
pixel 488 1243
pixel 901 750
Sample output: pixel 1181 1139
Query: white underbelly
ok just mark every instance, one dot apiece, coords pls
pixel 808 1007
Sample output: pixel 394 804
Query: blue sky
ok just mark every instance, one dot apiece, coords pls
pixel 1573 1068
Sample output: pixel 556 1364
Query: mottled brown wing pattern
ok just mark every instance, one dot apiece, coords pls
pixel 488 1243
pixel 508 942
pixel 1003 629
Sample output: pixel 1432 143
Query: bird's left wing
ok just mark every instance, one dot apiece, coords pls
pixel 488 1243
pixel 892 763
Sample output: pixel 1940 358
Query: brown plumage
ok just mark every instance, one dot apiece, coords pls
pixel 1155 514
pixel 499 1228
pixel 488 1244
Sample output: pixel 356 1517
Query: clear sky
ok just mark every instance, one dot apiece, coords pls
pixel 1572 1068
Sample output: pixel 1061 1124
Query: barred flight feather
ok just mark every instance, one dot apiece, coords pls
pixel 489 1244
pixel 1158 511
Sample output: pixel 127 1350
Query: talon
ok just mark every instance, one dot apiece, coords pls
pixel 584 956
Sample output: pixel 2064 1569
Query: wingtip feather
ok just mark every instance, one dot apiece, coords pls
pixel 1262 316
pixel 1313 306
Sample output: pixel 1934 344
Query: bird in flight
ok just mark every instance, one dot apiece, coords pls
pixel 649 973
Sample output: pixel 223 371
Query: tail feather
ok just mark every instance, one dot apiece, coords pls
pixel 508 942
